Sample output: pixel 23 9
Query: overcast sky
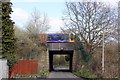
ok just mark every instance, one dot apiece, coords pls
pixel 53 8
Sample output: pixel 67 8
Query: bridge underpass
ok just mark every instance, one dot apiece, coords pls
pixel 60 44
pixel 61 72
pixel 59 68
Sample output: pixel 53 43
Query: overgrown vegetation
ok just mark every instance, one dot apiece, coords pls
pixel 28 41
pixel 42 74
pixel 84 72
pixel 26 48
pixel 85 55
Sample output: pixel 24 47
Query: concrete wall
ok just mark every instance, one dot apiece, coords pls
pixel 3 69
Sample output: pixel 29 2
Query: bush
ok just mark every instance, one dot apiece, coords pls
pixel 43 73
pixel 84 73
pixel 67 58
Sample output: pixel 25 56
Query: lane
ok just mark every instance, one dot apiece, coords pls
pixel 61 75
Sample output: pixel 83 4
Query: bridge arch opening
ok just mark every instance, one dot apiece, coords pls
pixel 51 60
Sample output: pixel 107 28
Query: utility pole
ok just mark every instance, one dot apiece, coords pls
pixel 103 52
pixel 119 39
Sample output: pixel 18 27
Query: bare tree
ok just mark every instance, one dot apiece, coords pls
pixel 88 20
pixel 38 24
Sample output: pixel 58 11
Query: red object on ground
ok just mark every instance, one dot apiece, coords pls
pixel 26 67
pixel 11 73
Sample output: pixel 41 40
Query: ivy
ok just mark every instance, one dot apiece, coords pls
pixel 85 56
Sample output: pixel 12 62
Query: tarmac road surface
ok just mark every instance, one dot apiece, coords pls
pixel 61 75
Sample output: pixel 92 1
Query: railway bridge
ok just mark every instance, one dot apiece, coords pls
pixel 58 44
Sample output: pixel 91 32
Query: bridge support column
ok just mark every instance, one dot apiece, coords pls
pixel 43 61
pixel 76 60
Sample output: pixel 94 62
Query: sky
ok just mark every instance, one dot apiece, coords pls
pixel 52 8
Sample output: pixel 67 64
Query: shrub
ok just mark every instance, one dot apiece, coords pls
pixel 85 73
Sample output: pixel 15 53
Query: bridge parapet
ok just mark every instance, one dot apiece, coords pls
pixel 60 46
